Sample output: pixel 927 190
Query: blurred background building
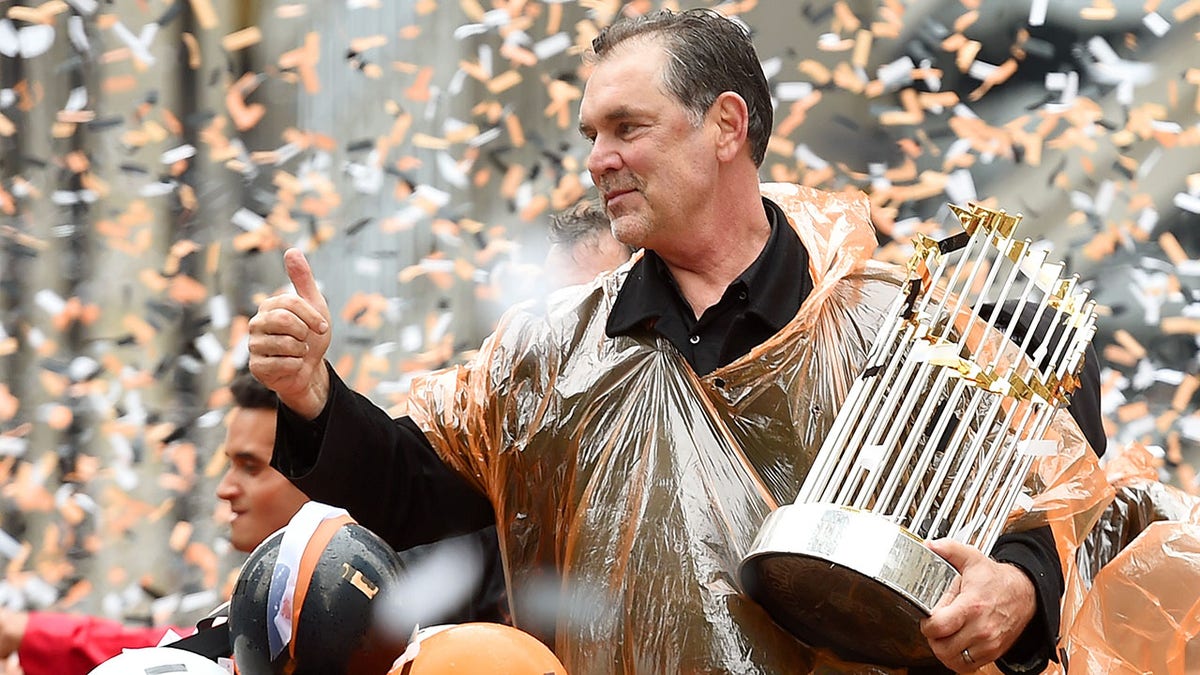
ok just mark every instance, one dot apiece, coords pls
pixel 157 156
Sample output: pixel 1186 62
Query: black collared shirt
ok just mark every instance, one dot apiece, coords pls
pixel 759 302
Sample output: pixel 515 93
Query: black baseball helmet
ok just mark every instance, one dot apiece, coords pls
pixel 315 608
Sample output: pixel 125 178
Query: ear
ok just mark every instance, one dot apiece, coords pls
pixel 732 118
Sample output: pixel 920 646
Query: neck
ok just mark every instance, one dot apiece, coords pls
pixel 720 248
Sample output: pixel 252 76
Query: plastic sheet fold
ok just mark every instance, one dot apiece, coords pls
pixel 627 488
pixel 1133 598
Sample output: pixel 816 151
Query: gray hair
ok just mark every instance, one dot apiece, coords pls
pixel 578 224
pixel 708 55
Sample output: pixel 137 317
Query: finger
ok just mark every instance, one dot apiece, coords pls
pixel 950 593
pixel 950 653
pixel 301 275
pixel 277 345
pixel 946 618
pixel 944 622
pixel 959 555
pixel 291 316
pixel 286 315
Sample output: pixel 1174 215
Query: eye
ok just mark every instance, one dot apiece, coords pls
pixel 248 467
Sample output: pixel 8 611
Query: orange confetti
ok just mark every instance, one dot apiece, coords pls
pixel 187 291
pixel 1171 247
pixel 294 11
pixel 118 84
pixel 419 90
pixel 205 14
pixel 516 134
pixel 862 48
pixel 362 44
pixel 1184 392
pixel 535 207
pixel 9 404
pixel 180 535
pixel 59 417
pixel 504 81
pixel 241 39
pixel 305 60
pixel 244 116
pixel 845 21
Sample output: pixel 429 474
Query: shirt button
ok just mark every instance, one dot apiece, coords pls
pixel 695 339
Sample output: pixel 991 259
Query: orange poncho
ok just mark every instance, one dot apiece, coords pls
pixel 631 488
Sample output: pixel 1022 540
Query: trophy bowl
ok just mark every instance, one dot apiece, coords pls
pixel 848 580
pixel 935 438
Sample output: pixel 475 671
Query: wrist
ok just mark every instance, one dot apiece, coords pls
pixel 318 393
pixel 309 403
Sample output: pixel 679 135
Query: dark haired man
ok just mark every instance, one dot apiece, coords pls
pixel 629 442
pixel 262 501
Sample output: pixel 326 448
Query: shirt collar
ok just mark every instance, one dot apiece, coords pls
pixel 776 283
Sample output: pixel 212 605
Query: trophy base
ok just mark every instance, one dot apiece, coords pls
pixel 849 580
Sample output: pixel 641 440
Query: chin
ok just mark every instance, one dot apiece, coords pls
pixel 629 230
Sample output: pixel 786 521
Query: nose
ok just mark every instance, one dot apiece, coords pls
pixel 603 158
pixel 227 488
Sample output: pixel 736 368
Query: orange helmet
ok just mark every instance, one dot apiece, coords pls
pixel 476 649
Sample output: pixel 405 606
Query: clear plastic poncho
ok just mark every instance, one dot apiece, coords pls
pixel 1134 607
pixel 627 489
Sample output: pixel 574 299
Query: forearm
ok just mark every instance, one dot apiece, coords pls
pixel 381 470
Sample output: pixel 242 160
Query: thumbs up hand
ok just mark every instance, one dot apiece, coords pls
pixel 289 336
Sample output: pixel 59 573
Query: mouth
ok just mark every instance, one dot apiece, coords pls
pixel 610 197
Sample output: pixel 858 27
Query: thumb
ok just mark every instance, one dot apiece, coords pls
pixel 301 275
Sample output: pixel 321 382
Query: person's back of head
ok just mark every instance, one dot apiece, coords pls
pixel 582 245
pixel 248 392
pixel 709 54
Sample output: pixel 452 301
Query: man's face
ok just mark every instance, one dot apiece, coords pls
pixel 261 499
pixel 650 163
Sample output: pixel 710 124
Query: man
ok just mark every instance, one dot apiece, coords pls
pixel 629 442
pixel 582 246
pixel 262 501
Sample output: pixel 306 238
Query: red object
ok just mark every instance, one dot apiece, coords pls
pixel 74 644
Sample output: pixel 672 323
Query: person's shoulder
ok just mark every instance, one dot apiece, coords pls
pixel 793 194
pixel 562 310
pixel 569 305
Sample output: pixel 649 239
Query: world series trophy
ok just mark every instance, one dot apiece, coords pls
pixel 935 439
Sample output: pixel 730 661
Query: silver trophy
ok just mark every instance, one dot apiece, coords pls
pixel 935 439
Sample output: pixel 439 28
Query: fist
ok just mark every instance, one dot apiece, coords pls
pixel 289 336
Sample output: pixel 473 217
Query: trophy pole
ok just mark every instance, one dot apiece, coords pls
pixel 935 439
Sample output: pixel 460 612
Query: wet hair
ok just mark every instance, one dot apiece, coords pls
pixel 583 222
pixel 250 393
pixel 708 55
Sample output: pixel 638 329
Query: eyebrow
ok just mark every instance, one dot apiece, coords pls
pixel 620 113
pixel 245 455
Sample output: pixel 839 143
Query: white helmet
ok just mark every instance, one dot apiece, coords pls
pixel 154 659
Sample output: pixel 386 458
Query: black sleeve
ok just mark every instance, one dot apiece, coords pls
pixel 1035 554
pixel 383 471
